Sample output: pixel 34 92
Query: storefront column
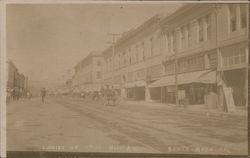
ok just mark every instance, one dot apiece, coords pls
pixel 147 94
pixel 220 90
pixel 246 87
pixel 123 92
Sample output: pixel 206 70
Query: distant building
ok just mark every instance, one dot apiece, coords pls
pixel 16 80
pixel 88 73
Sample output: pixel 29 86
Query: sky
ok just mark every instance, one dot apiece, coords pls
pixel 45 41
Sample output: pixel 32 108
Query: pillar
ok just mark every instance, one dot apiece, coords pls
pixel 147 94
pixel 123 92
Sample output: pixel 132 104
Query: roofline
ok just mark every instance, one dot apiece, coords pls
pixel 90 55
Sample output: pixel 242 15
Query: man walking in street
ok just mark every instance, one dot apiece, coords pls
pixel 43 94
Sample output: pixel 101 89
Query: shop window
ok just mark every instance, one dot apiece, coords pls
pixel 243 15
pixel 232 10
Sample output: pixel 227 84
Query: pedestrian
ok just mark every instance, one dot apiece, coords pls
pixel 43 94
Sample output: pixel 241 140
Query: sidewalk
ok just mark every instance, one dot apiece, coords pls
pixel 191 109
pixel 194 109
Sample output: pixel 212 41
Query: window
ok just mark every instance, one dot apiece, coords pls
pixel 232 10
pixel 98 75
pixel 196 63
pixel 174 41
pixel 182 37
pixel 143 51
pixel 243 15
pixel 234 55
pixel 124 58
pixel 212 60
pixel 189 34
pixel 130 55
pixel 201 36
pixel 152 46
pixel 169 42
pixel 183 66
pixel 208 25
pixel 242 52
pixel 99 63
pixel 119 60
pixel 165 42
pixel 137 55
pixel 170 68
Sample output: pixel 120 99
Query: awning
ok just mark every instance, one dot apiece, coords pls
pixel 136 84
pixel 206 76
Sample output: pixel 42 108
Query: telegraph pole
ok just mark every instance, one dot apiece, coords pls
pixel 114 35
pixel 176 72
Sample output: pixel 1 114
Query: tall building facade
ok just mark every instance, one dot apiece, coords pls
pixel 88 73
pixel 207 45
pixel 233 51
pixel 134 61
pixel 189 54
pixel 198 49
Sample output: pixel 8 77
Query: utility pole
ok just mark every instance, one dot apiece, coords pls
pixel 114 35
pixel 176 70
pixel 113 42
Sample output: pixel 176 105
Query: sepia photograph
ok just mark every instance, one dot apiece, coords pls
pixel 165 78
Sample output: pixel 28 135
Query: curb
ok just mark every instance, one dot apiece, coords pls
pixel 207 113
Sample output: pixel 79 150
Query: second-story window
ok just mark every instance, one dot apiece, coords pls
pixel 208 26
pixel 98 75
pixel 137 53
pixel 233 15
pixel 169 42
pixel 189 35
pixel 130 55
pixel 243 15
pixel 152 46
pixel 143 50
pixel 201 36
pixel 124 58
pixel 182 37
pixel 174 42
pixel 99 63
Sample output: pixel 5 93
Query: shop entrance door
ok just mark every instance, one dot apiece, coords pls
pixel 236 79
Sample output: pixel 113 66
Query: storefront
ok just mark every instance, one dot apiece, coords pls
pixel 192 87
pixel 234 73
pixel 136 90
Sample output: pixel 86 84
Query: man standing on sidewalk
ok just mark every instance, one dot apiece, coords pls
pixel 43 94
